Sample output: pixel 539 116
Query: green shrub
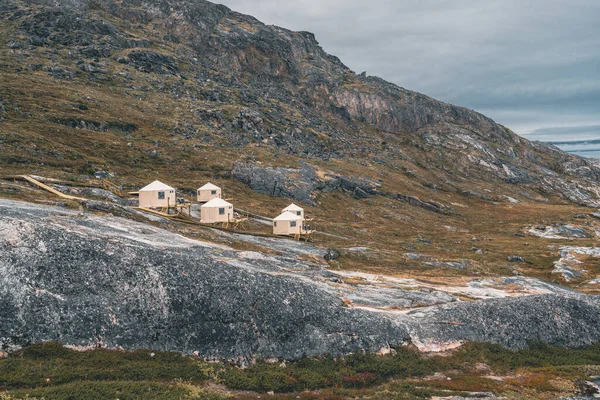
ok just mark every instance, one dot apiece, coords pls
pixel 538 354
pixel 360 380
pixel 307 379
pixel 237 379
pixel 46 350
pixel 45 367
pixel 51 364
pixel 106 390
pixel 269 380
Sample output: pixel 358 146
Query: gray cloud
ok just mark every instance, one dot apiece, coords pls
pixel 528 64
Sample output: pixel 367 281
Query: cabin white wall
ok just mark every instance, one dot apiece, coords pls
pixel 210 215
pixel 151 200
pixel 204 196
pixel 284 228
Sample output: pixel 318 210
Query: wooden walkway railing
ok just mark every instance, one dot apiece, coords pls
pixel 104 184
pixel 48 188
pixel 111 187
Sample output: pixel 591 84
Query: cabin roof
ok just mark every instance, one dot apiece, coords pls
pixel 288 216
pixel 293 207
pixel 155 186
pixel 216 203
pixel 209 186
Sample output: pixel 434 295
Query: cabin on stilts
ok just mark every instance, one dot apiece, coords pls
pixel 216 211
pixel 293 222
pixel 208 192
pixel 287 224
pixel 157 195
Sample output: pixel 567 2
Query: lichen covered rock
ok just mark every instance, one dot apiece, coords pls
pixel 102 280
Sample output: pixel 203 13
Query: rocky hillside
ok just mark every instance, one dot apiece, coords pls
pixel 440 226
pixel 162 81
pixel 88 281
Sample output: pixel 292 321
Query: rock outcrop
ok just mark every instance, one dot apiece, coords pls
pixel 141 86
pixel 88 281
pixel 569 321
pixel 301 184
pixel 102 280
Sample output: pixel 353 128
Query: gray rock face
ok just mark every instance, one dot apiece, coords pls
pixel 562 231
pixel 587 389
pixel 301 184
pixel 304 185
pixel 106 280
pixel 279 182
pixel 569 266
pixel 562 320
pixel 427 205
pixel 148 61
pixel 84 281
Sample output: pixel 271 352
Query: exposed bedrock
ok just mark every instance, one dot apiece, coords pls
pixel 301 184
pixel 93 280
pixel 85 281
pixel 562 320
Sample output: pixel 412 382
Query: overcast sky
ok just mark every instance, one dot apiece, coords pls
pixel 529 64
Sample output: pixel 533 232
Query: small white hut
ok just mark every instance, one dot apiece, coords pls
pixel 208 192
pixel 216 210
pixel 294 209
pixel 157 195
pixel 287 223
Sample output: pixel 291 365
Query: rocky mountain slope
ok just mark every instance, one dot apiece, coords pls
pixel 202 76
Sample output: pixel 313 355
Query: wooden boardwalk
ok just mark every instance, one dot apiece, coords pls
pixel 50 189
pixel 186 220
pixel 252 215
pixel 42 183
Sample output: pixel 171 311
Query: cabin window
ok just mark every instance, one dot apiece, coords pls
pixel 292 224
pixel 299 213
pixel 221 211
pixel 213 192
pixel 171 191
pixel 161 195
pixel 275 224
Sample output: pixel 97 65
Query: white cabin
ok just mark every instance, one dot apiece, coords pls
pixel 157 195
pixel 215 211
pixel 294 209
pixel 208 192
pixel 287 223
